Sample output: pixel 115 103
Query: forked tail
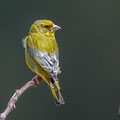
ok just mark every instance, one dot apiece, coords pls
pixel 56 94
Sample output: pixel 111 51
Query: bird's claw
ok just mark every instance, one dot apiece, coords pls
pixel 36 80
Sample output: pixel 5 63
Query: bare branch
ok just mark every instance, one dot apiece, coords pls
pixel 11 104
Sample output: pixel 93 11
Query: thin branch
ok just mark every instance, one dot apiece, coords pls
pixel 11 104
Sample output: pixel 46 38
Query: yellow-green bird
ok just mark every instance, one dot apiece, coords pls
pixel 42 55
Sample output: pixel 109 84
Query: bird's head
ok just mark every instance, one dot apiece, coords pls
pixel 46 27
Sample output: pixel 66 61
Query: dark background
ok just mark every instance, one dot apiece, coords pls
pixel 89 44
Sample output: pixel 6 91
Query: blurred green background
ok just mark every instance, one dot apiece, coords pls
pixel 89 44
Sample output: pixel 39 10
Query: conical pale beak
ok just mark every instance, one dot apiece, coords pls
pixel 55 28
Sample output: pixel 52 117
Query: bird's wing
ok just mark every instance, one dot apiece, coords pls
pixel 50 62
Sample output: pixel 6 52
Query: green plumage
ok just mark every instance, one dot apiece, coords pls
pixel 42 57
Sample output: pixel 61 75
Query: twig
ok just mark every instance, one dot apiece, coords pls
pixel 11 104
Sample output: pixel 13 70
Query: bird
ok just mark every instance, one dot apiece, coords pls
pixel 42 55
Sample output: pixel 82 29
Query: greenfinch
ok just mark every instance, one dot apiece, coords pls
pixel 42 55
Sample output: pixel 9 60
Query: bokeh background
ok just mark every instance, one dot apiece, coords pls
pixel 89 44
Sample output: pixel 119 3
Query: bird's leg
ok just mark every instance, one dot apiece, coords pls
pixel 36 80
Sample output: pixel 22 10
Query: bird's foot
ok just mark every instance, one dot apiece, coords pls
pixel 36 80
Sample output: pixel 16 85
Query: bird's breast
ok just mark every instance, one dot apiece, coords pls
pixel 42 43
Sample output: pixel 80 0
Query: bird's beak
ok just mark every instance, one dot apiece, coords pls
pixel 55 28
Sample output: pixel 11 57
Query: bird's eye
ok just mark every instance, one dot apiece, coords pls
pixel 47 26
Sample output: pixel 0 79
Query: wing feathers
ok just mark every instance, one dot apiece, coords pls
pixel 47 61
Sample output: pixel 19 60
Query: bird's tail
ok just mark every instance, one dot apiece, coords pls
pixel 54 86
pixel 56 94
